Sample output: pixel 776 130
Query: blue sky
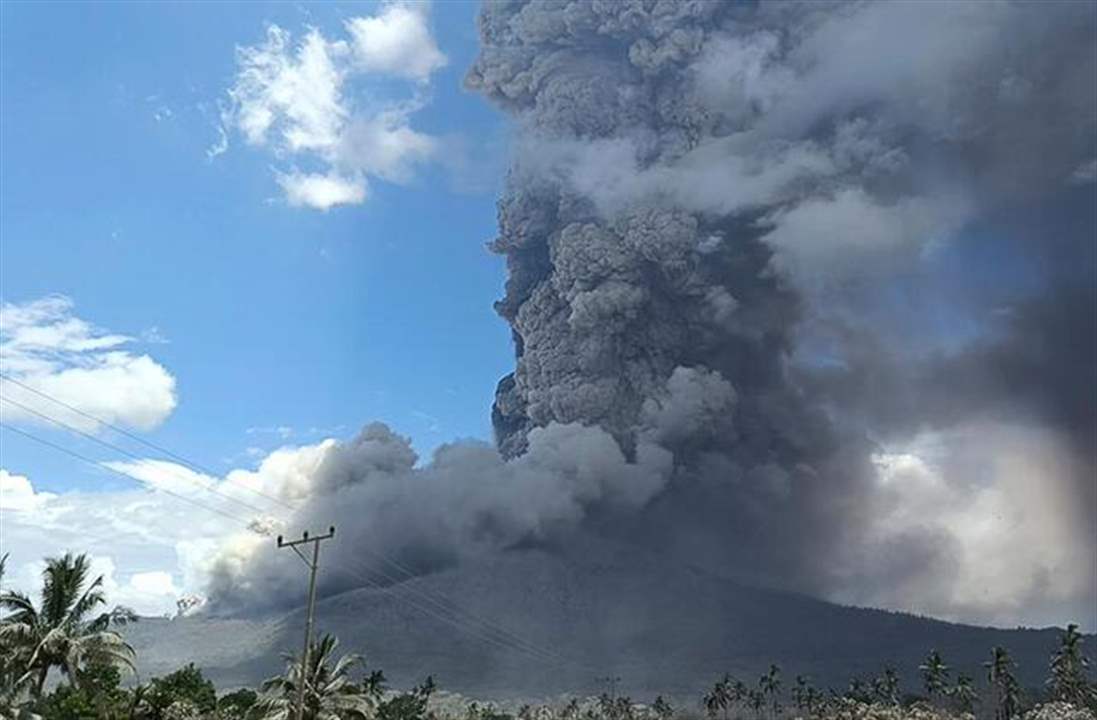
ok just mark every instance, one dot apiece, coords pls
pixel 274 316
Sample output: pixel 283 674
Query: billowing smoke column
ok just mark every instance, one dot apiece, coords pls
pixel 801 292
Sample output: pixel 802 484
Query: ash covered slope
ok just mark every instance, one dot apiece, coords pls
pixel 661 627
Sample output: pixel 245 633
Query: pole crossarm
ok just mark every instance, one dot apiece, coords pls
pixel 306 538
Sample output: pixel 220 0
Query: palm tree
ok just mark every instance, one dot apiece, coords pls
pixel 934 674
pixel 965 693
pixel 886 687
pixel 800 693
pixel 757 701
pixel 805 696
pixel 663 709
pixel 329 692
pixel 61 632
pixel 770 685
pixel 1068 681
pixel 859 690
pixel 13 703
pixel 718 699
pixel 737 692
pixel 1006 689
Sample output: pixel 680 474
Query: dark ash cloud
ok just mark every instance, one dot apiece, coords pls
pixel 802 292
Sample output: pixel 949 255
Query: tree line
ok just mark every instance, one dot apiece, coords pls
pixel 70 634
pixel 1001 698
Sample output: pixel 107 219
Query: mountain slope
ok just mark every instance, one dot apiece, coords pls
pixel 599 617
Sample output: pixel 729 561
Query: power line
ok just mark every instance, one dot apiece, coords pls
pixel 135 437
pixel 84 458
pixel 446 611
pixel 440 602
pixel 451 620
pixel 112 446
pixel 489 632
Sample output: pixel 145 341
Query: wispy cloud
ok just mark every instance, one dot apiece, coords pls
pixel 302 101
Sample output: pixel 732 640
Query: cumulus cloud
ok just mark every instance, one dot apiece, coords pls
pixel 18 495
pixel 137 539
pixel 317 101
pixel 45 346
pixel 396 41
pixel 162 539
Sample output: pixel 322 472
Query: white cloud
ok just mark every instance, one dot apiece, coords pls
pixel 386 146
pixel 397 41
pixel 164 475
pixel 296 94
pixel 45 346
pixel 156 582
pixel 131 536
pixel 309 101
pixel 18 495
pixel 322 191
pixel 153 548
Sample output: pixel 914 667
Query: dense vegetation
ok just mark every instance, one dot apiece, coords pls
pixel 68 635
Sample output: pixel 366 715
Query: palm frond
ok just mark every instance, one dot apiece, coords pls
pixel 19 605
pixel 62 579
pixel 91 598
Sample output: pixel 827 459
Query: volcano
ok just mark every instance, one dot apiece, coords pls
pixel 663 628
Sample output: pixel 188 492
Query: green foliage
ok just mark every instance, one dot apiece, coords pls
pixel 770 687
pixel 934 675
pixel 186 685
pixel 329 692
pixel 410 705
pixel 725 695
pixel 662 709
pixel 805 697
pixel 235 705
pixel 62 631
pixel 964 695
pixel 1003 683
pixel 616 708
pixel 859 690
pixel 1069 668
pixel 717 700
pixel 97 696
pixel 477 711
pixel 885 688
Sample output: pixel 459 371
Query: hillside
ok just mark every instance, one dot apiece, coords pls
pixel 600 617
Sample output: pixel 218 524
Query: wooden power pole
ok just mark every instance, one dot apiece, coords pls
pixel 312 565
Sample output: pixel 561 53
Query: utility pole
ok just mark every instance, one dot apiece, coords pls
pixel 312 565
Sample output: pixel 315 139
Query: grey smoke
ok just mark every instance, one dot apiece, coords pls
pixel 710 212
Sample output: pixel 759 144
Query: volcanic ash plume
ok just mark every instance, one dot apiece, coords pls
pixel 696 187
pixel 725 226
